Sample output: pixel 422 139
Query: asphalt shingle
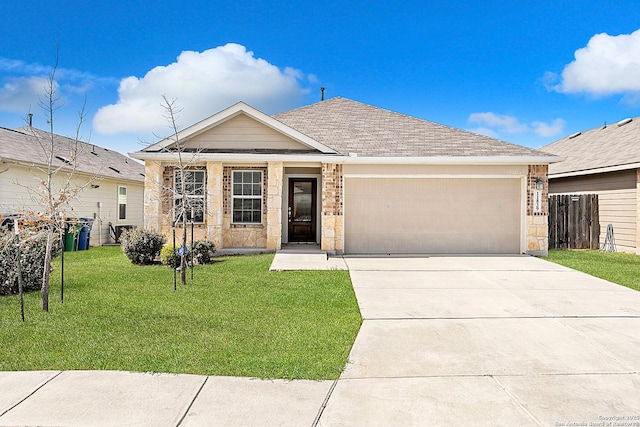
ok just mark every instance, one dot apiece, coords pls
pixel 604 146
pixel 24 145
pixel 352 127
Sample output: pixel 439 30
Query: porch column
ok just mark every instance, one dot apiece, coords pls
pixel 332 217
pixel 152 195
pixel 275 176
pixel 538 222
pixel 214 203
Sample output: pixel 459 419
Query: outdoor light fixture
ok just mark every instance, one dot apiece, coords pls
pixel 539 184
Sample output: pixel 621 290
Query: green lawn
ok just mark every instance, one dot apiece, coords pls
pixel 616 267
pixel 235 318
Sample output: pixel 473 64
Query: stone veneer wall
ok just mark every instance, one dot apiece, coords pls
pixel 242 235
pixel 214 196
pixel 275 176
pixel 538 223
pixel 152 193
pixel 332 215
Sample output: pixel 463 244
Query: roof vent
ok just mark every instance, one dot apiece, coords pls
pixel 624 122
pixel 114 169
pixel 353 154
pixel 64 159
pixel 575 135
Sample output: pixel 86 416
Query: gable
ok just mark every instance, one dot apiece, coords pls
pixel 243 133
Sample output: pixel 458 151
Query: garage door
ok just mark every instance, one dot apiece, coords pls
pixel 432 215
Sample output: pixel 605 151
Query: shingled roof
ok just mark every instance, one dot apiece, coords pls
pixel 22 146
pixel 614 146
pixel 353 127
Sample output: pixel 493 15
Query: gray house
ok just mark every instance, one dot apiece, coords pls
pixel 604 161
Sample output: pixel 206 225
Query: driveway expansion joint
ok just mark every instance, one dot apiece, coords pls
pixel 31 394
pixel 195 397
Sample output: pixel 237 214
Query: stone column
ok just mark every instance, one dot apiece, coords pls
pixel 214 203
pixel 152 195
pixel 332 218
pixel 538 222
pixel 275 176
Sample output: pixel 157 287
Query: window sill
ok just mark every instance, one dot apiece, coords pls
pixel 247 226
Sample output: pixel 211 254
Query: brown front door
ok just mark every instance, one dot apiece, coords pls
pixel 302 209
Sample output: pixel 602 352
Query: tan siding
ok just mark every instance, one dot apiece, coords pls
pixel 617 200
pixel 15 197
pixel 242 132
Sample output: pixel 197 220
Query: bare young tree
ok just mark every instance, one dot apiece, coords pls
pixel 57 189
pixel 185 208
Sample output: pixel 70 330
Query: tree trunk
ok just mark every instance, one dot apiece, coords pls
pixel 183 257
pixel 47 272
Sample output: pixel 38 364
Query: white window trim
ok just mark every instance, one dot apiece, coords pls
pixel 126 204
pixel 252 197
pixel 177 195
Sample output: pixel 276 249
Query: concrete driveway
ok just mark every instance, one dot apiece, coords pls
pixel 509 340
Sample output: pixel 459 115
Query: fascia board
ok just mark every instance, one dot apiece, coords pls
pixel 339 159
pixel 616 168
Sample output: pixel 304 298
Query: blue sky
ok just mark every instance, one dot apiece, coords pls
pixel 525 72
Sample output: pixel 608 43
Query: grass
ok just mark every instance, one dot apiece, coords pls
pixel 616 267
pixel 235 318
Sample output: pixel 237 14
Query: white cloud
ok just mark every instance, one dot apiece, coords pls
pixel 607 65
pixel 22 94
pixel 493 125
pixel 547 130
pixel 202 83
pixel 504 123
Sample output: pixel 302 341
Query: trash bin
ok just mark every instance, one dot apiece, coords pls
pixel 85 233
pixel 71 235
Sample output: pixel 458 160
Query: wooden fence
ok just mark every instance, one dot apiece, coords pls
pixel 574 222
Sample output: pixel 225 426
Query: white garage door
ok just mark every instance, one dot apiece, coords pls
pixel 432 215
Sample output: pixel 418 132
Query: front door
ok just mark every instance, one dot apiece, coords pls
pixel 302 209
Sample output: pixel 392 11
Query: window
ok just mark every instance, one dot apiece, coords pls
pixel 247 197
pixel 122 203
pixel 194 188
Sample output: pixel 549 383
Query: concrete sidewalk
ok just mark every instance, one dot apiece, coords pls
pixel 109 398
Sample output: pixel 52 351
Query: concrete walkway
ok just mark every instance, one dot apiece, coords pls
pixel 446 341
pixel 305 257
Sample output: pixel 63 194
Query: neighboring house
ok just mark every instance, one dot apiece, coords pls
pixel 113 184
pixel 353 178
pixel 604 161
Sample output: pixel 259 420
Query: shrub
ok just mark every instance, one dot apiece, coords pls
pixel 141 246
pixel 32 249
pixel 169 256
pixel 203 250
